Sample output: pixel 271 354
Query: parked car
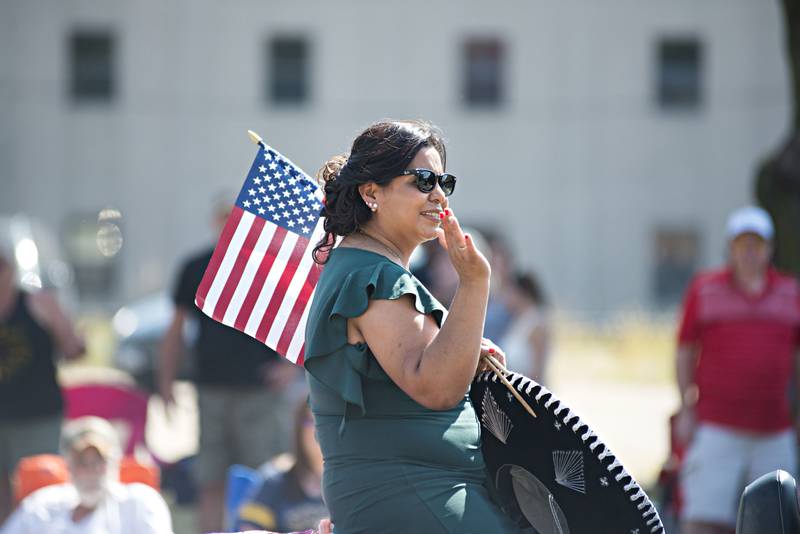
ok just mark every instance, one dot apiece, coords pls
pixel 140 326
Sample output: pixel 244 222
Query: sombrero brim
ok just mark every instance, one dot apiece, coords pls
pixel 551 473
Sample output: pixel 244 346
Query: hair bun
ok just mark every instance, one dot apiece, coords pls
pixel 331 169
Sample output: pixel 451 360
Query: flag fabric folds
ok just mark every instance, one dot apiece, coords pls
pixel 261 277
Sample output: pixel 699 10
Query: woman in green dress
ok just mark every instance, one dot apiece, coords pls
pixel 388 376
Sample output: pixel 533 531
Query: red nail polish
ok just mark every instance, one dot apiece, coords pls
pixel 447 212
pixel 491 351
pixel 441 215
pixel 467 237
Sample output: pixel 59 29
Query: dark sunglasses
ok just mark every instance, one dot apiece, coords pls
pixel 426 180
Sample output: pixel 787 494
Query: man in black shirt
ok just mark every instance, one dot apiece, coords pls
pixel 241 383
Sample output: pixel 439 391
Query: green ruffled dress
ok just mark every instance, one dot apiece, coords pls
pixel 391 465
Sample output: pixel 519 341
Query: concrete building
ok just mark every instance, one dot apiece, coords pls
pixel 607 140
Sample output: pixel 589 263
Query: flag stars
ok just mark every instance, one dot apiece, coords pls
pixel 256 180
pixel 296 211
pixel 273 166
pixel 268 156
pixel 257 201
pixel 272 187
pixel 251 192
pixel 305 229
pixel 290 223
pixel 246 203
pixel 262 190
pixel 262 169
pixel 261 211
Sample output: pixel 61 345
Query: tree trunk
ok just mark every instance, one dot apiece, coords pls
pixel 778 181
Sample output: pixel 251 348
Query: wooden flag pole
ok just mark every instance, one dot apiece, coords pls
pixel 499 370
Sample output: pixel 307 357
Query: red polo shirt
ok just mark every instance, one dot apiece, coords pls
pixel 747 346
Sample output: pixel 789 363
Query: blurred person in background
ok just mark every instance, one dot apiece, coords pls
pixel 527 339
pixel 737 346
pixel 34 331
pixel 290 500
pixel 498 315
pixel 437 273
pixel 93 501
pixel 245 415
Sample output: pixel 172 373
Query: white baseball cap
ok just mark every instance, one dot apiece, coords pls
pixel 750 220
pixel 89 431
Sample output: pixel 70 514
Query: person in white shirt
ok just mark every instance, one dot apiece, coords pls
pixel 527 338
pixel 93 501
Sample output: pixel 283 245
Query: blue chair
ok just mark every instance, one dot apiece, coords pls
pixel 240 483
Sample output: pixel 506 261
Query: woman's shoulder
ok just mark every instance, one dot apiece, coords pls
pixel 354 276
pixel 348 259
pixel 353 269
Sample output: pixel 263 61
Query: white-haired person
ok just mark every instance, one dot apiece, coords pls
pixel 93 501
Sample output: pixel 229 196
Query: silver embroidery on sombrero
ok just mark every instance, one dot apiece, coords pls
pixel 568 467
pixel 544 397
pixel 494 418
pixel 554 510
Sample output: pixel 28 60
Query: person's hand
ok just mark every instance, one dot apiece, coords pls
pixel 470 264
pixel 488 348
pixel 325 526
pixel 685 425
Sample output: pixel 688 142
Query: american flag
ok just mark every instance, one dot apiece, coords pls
pixel 262 276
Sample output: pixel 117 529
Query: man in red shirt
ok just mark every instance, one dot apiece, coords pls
pixel 737 346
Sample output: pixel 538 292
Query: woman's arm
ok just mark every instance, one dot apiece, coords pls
pixel 433 366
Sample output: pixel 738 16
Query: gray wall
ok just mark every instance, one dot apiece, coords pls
pixel 578 168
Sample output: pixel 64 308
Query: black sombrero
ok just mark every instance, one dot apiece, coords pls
pixel 551 473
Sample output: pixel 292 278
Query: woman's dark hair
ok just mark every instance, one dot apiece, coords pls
pixel 379 154
pixel 529 286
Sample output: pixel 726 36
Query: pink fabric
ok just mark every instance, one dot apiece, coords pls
pixel 111 402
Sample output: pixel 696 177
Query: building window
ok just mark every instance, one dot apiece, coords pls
pixel 92 66
pixel 289 71
pixel 680 64
pixel 484 69
pixel 676 258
